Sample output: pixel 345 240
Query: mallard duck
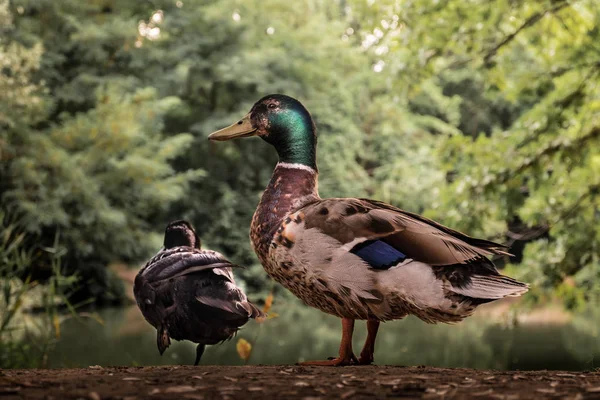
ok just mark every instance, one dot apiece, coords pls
pixel 355 258
pixel 189 294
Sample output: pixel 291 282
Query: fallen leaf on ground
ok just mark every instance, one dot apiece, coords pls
pixel 545 391
pixel 229 388
pixel 94 396
pixel 244 349
pixel 484 393
pixel 180 389
pixel 194 396
pixel 393 382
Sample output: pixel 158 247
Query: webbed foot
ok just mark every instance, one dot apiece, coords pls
pixel 365 359
pixel 349 359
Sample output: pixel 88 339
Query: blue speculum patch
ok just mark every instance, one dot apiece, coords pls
pixel 378 254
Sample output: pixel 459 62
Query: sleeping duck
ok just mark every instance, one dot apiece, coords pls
pixel 358 258
pixel 189 294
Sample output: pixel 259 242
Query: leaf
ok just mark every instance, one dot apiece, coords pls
pixel 95 316
pixel 56 323
pixel 268 303
pixel 244 349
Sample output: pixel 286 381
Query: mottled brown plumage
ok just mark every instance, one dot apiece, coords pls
pixel 287 190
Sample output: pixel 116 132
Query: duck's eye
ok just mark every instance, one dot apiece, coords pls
pixel 271 105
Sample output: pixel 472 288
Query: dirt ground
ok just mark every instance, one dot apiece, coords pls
pixel 294 382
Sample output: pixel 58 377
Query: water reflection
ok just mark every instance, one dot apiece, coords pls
pixel 487 340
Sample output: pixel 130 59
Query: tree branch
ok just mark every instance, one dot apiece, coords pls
pixel 528 23
pixel 538 232
pixel 505 176
pixel 553 148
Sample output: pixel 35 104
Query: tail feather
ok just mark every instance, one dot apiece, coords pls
pixel 492 287
pixel 232 309
pixel 253 311
pixel 162 339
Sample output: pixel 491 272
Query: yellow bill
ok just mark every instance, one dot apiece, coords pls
pixel 242 128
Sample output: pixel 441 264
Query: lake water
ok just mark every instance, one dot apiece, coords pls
pixel 496 337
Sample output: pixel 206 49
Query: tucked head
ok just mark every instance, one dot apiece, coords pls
pixel 281 121
pixel 181 233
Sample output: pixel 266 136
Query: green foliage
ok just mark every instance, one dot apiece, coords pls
pixel 103 173
pixel 481 115
pixel 20 100
pixel 19 293
pixel 99 177
pixel 529 170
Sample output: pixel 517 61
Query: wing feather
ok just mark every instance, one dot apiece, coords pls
pixel 183 260
pixel 352 221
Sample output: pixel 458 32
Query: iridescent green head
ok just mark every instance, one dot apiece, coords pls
pixel 281 121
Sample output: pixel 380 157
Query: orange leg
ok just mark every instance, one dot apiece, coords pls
pixel 366 355
pixel 346 356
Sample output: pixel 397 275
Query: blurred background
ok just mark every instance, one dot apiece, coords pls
pixel 482 115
